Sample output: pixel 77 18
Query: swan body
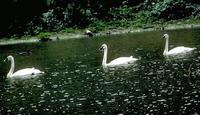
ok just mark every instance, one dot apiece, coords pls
pixel 122 60
pixel 175 51
pixel 23 73
pixel 26 72
pixel 116 62
pixel 179 50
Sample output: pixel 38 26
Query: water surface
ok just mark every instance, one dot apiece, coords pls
pixel 75 82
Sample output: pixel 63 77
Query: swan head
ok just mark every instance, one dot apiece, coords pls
pixel 9 58
pixel 165 36
pixel 103 47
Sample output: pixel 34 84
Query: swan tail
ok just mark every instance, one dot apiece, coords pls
pixel 41 72
pixel 135 58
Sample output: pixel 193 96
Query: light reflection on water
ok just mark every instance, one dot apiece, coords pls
pixel 76 83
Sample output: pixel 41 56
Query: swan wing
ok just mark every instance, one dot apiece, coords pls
pixel 122 61
pixel 179 50
pixel 27 72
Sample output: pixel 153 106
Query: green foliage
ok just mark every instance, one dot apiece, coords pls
pixel 69 30
pixel 49 2
pixel 172 10
pixel 98 15
pixel 160 7
pixel 142 17
pixel 43 35
pixel 98 26
pixel 122 13
pixel 50 22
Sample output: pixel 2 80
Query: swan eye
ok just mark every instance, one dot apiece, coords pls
pixel 101 48
pixel 5 60
pixel 163 36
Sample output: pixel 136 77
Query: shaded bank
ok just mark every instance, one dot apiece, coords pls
pixel 79 34
pixel 20 17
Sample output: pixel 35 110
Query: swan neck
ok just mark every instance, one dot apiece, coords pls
pixel 105 57
pixel 166 46
pixel 11 68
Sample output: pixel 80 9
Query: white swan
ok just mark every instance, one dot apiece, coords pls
pixel 23 73
pixel 174 51
pixel 116 62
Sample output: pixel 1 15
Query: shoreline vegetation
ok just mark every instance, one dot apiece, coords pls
pixel 49 20
pixel 79 33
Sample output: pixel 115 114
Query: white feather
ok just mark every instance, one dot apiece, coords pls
pixel 23 73
pixel 121 61
pixel 179 50
pixel 175 51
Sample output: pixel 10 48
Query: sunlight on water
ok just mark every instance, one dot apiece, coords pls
pixel 75 83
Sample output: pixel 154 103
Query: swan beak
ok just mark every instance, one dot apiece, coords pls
pixel 101 49
pixel 5 60
pixel 163 37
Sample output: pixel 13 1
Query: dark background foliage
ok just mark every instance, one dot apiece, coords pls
pixel 19 17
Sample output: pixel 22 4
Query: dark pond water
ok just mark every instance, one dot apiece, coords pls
pixel 75 82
